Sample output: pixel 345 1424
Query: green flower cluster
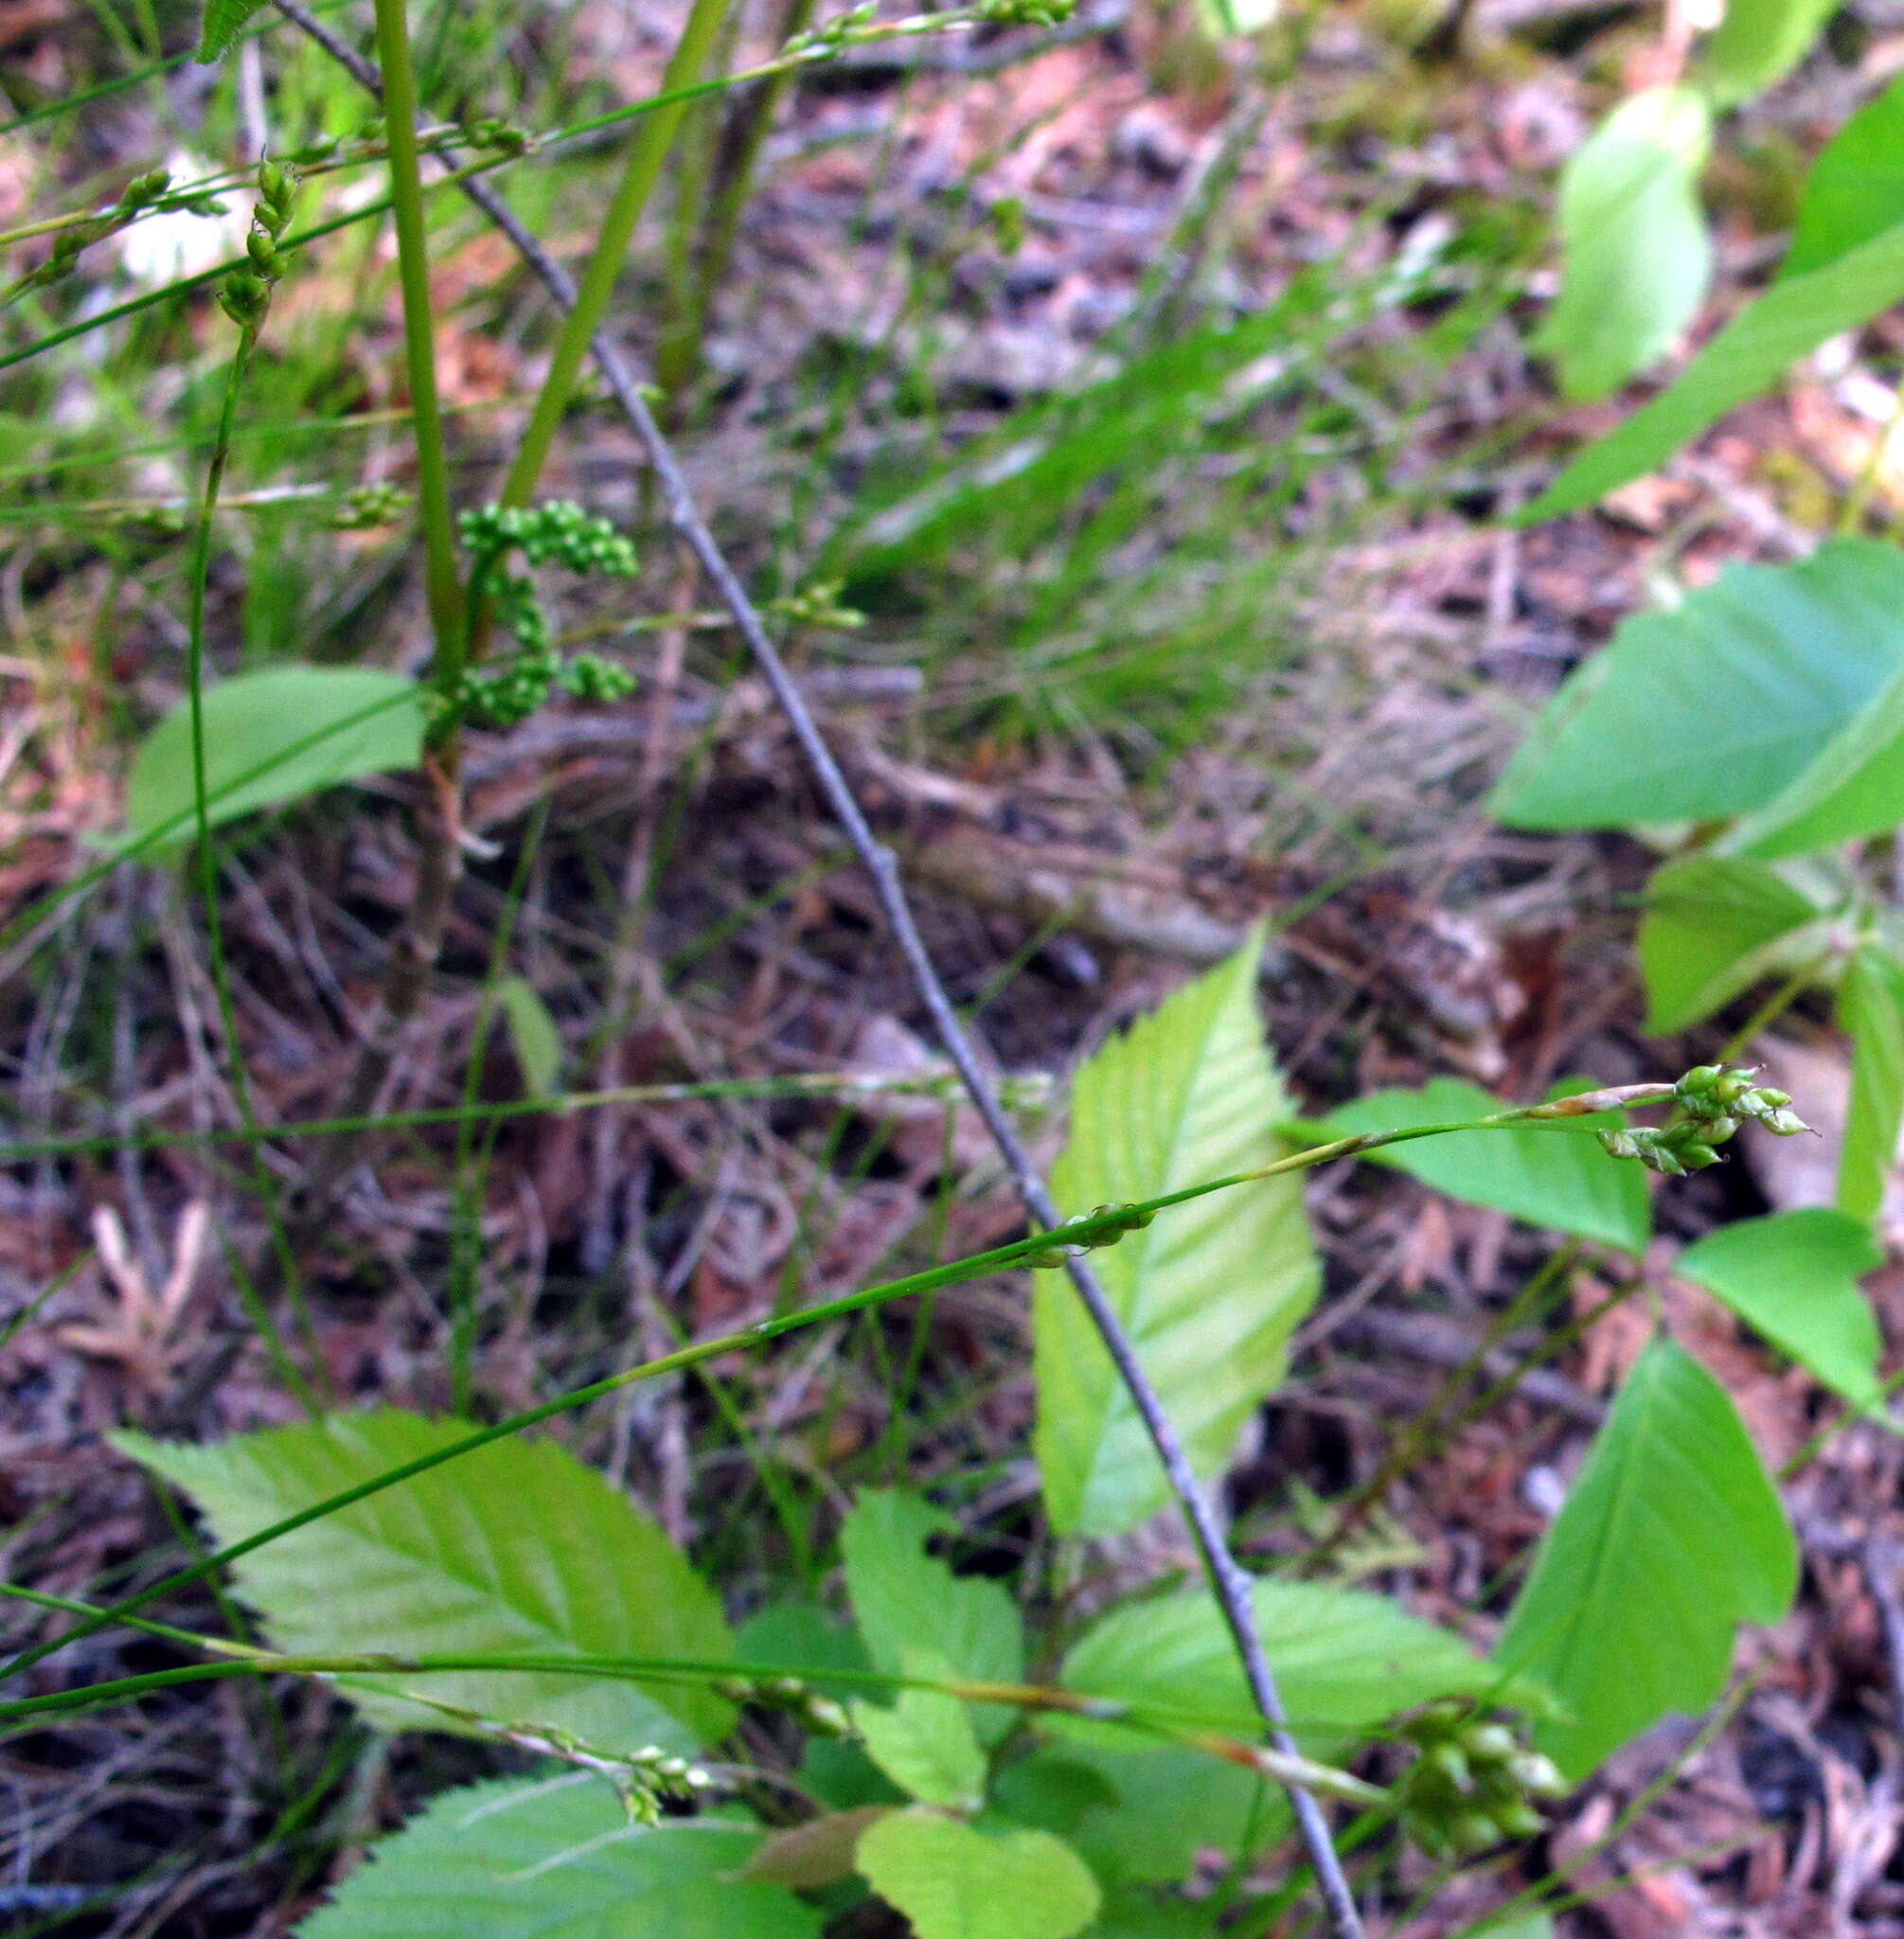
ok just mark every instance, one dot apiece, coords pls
pixel 559 532
pixel 142 193
pixel 821 1717
pixel 365 505
pixel 1473 1783
pixel 1713 1100
pixel 246 294
pixel 1123 1219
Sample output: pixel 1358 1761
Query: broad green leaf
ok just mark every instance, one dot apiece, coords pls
pixel 516 1548
pixel 1555 1178
pixel 1871 1010
pixel 1344 1659
pixel 1636 256
pixel 254 718
pixel 953 1882
pixel 1853 787
pixel 1052 1789
pixel 1134 1913
pixel 1769 335
pixel 557 1859
pixel 1171 1807
pixel 904 1599
pixel 1794 1277
pixel 533 1037
pixel 1713 708
pixel 223 22
pixel 1715 925
pixel 1210 1291
pixel 1756 43
pixel 1670 1538
pixel 1856 187
pixel 1533 1924
pixel 803 1639
pixel 923 1741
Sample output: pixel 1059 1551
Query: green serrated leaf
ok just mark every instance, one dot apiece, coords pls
pixel 1210 1291
pixel 1559 1178
pixel 923 1741
pixel 223 22
pixel 953 1882
pixel 1769 335
pixel 1636 256
pixel 1794 1277
pixel 514 1547
pixel 1871 1011
pixel 533 1037
pixel 530 1858
pixel 904 1599
pixel 1713 926
pixel 1713 708
pixel 1670 1538
pixel 1756 43
pixel 254 718
pixel 1856 189
pixel 1345 1660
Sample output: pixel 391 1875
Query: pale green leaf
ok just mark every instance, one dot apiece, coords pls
pixel 904 1599
pixel 1794 1277
pixel 953 1882
pixel 533 1037
pixel 1856 187
pixel 1555 1177
pixel 1758 41
pixel 1712 709
pixel 1636 256
pixel 557 1859
pixel 1670 1538
pixel 516 1548
pixel 1769 335
pixel 223 22
pixel 1209 1291
pixel 923 1741
pixel 1345 1660
pixel 255 724
pixel 1871 1010
pixel 1713 926
pixel 1533 1923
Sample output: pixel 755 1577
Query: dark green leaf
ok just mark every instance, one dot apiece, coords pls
pixel 1794 1276
pixel 1713 708
pixel 1856 188
pixel 1636 253
pixel 1345 1660
pixel 555 1859
pixel 222 24
pixel 1769 335
pixel 1713 926
pixel 1555 1177
pixel 1670 1538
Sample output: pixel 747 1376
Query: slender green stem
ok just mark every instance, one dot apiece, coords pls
pixel 610 250
pixel 264 1183
pixel 822 1084
pixel 413 270
pixel 1103 1227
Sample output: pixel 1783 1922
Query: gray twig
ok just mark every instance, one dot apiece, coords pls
pixel 1230 1582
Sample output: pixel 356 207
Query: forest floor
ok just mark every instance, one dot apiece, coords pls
pixel 1283 707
